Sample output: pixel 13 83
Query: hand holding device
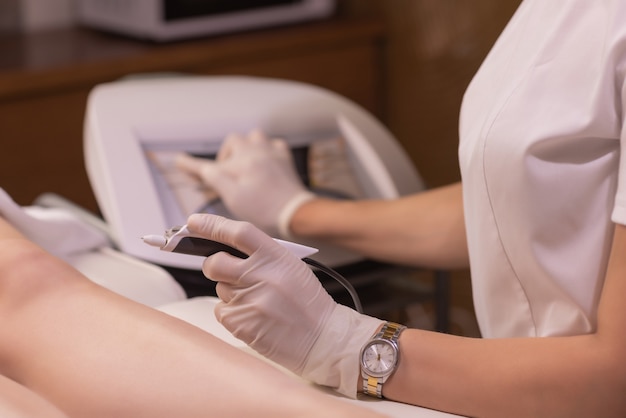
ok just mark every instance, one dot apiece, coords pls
pixel 256 179
pixel 274 302
pixel 180 240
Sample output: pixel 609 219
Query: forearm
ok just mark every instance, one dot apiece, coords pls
pixel 425 229
pixel 552 377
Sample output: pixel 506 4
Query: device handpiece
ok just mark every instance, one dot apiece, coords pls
pixel 179 240
pixel 155 240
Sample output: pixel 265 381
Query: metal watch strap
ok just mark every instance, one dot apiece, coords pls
pixel 373 386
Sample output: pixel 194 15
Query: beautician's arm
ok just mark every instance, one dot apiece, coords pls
pixel 271 294
pixel 425 229
pixel 256 179
pixel 95 354
pixel 581 376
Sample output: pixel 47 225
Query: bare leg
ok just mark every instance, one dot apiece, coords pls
pixel 96 354
pixel 16 401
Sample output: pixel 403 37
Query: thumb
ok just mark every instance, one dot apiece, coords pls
pixel 240 235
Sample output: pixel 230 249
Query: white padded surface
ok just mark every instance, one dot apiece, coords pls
pixel 135 279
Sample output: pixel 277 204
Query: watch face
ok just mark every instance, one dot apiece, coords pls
pixel 379 357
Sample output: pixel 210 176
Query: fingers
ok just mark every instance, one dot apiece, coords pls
pixel 240 235
pixel 231 145
pixel 257 136
pixel 223 173
pixel 280 145
pixel 225 291
pixel 234 143
pixel 189 164
pixel 206 170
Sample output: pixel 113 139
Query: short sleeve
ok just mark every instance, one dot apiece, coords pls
pixel 619 209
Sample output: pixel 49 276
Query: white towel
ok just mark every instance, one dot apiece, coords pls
pixel 57 230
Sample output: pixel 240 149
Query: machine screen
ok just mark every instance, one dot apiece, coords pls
pixel 184 9
pixel 321 161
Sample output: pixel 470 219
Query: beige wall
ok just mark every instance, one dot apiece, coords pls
pixel 434 47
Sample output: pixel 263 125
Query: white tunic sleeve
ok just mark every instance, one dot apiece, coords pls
pixel 619 211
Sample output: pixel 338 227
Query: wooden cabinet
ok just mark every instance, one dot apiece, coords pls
pixel 45 79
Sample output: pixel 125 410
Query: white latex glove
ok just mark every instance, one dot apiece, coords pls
pixel 256 179
pixel 273 302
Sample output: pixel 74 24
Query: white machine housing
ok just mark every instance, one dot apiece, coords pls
pixel 124 118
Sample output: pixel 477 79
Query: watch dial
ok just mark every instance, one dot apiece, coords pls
pixel 379 358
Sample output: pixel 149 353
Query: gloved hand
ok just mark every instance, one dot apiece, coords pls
pixel 256 179
pixel 274 303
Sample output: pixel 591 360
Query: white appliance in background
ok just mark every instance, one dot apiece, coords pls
pixel 164 20
pixel 133 128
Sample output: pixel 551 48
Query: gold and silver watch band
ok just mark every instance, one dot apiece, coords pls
pixel 373 386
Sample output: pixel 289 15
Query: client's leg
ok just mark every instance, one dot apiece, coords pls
pixel 16 401
pixel 95 354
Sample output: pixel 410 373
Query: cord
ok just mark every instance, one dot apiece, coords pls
pixel 342 280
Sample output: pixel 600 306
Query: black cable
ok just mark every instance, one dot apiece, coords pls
pixel 342 280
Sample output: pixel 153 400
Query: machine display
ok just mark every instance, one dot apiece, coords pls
pixel 134 130
pixel 321 161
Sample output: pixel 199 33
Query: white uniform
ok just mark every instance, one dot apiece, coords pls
pixel 541 128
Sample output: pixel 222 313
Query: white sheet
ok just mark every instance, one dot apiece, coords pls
pixel 56 230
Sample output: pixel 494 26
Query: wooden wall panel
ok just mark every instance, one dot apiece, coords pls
pixel 433 49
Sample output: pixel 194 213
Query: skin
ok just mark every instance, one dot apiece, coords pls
pixel 67 344
pixel 435 238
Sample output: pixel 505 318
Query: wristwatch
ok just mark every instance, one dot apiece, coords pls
pixel 379 358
